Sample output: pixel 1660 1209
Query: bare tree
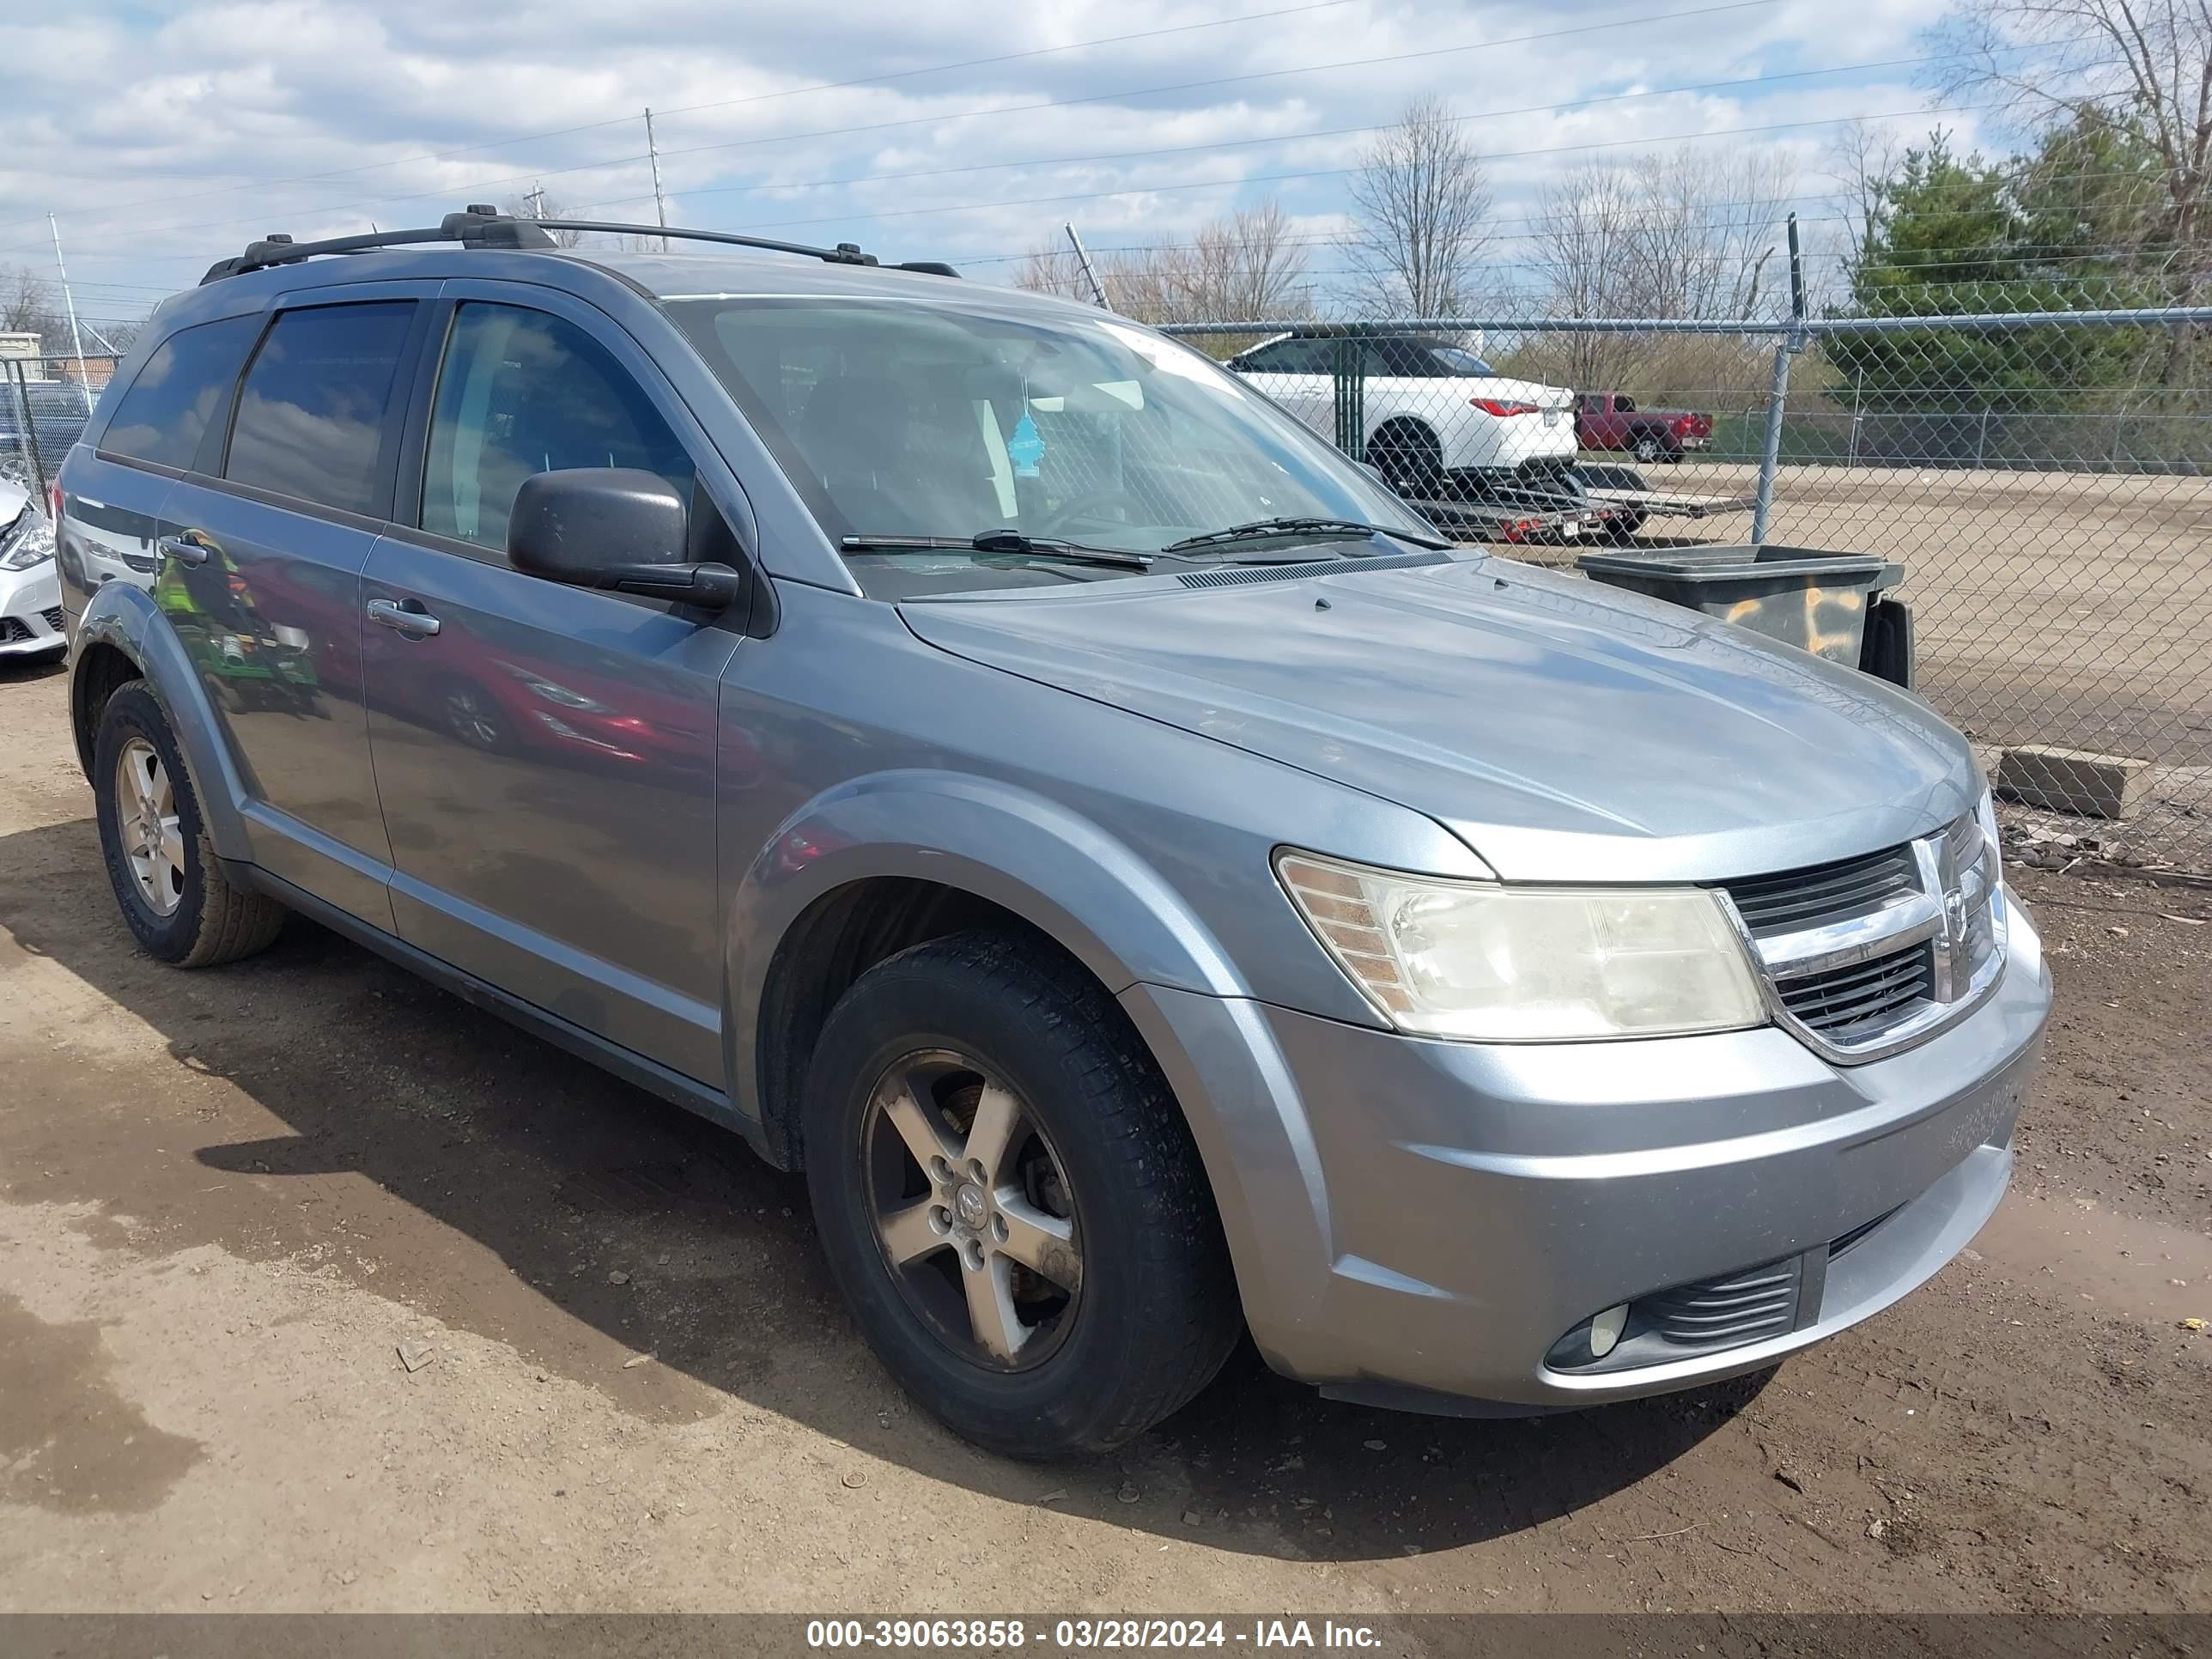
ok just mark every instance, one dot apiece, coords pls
pixel 538 205
pixel 1684 234
pixel 1862 158
pixel 25 303
pixel 1422 219
pixel 2147 62
pixel 1247 265
pixel 1584 240
pixel 1051 267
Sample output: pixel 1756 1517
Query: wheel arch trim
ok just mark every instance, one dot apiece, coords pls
pixel 124 616
pixel 1068 877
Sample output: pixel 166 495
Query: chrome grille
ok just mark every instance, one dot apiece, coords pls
pixel 1843 1002
pixel 1825 893
pixel 1865 957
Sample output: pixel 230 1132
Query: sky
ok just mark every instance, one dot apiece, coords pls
pixel 166 134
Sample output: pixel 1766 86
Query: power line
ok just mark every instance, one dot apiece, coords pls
pixel 447 191
pixel 1328 172
pixel 762 97
pixel 1294 137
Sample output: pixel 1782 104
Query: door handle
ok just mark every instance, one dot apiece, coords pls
pixel 407 618
pixel 183 551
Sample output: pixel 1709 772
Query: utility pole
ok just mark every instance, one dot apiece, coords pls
pixel 659 202
pixel 1778 397
pixel 1082 259
pixel 83 380
pixel 536 201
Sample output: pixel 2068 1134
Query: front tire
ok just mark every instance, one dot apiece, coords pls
pixel 1010 1200
pixel 179 905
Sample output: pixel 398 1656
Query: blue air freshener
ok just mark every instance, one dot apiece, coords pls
pixel 1025 448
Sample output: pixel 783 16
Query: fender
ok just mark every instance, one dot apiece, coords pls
pixel 1104 901
pixel 124 614
pixel 1074 881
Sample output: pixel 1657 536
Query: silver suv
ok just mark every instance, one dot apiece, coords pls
pixel 989 758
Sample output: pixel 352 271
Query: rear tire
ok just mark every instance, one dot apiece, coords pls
pixel 1409 458
pixel 1649 450
pixel 1131 1307
pixel 175 897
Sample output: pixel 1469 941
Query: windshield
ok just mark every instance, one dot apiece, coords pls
pixel 955 417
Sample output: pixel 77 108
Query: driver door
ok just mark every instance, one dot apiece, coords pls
pixel 545 754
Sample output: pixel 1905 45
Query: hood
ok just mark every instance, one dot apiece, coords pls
pixel 12 497
pixel 1565 731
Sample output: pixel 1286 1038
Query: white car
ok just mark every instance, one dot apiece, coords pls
pixel 1435 416
pixel 30 590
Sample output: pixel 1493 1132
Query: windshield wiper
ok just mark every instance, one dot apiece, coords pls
pixel 1305 529
pixel 1001 541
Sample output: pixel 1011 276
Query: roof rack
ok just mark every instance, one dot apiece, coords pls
pixel 486 227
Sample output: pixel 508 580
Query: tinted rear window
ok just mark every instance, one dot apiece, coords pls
pixel 165 413
pixel 312 415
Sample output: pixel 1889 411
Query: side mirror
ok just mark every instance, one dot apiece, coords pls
pixel 614 527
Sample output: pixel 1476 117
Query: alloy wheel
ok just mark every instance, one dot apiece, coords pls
pixel 972 1209
pixel 146 818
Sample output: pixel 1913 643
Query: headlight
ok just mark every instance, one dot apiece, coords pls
pixel 1490 964
pixel 1986 815
pixel 29 541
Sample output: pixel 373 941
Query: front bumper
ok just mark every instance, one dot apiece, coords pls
pixel 31 612
pixel 1419 1222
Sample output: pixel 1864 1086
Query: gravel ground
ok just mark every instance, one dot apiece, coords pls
pixel 321 1290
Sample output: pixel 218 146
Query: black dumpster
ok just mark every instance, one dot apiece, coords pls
pixel 1829 603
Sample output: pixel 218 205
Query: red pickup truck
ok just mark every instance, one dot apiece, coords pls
pixel 1606 420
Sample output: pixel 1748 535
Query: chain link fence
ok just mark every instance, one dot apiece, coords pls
pixel 2044 478
pixel 45 403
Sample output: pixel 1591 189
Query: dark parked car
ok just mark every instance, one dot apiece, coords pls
pixel 993 761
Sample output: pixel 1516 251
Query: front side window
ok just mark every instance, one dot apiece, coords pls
pixel 520 392
pixel 314 417
pixel 165 413
pixel 927 418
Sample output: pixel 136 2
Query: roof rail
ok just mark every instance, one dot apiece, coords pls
pixel 845 253
pixel 479 227
pixel 486 227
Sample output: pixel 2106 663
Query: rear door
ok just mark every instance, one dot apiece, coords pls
pixel 545 754
pixel 260 574
pixel 171 415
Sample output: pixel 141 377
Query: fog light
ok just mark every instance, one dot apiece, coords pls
pixel 1605 1330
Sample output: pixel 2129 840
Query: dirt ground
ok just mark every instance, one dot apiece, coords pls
pixel 321 1290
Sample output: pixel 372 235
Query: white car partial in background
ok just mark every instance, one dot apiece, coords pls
pixel 1437 419
pixel 30 590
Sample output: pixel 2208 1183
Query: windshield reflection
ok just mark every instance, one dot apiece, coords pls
pixel 955 418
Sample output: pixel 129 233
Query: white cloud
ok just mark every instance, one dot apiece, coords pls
pixel 162 147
